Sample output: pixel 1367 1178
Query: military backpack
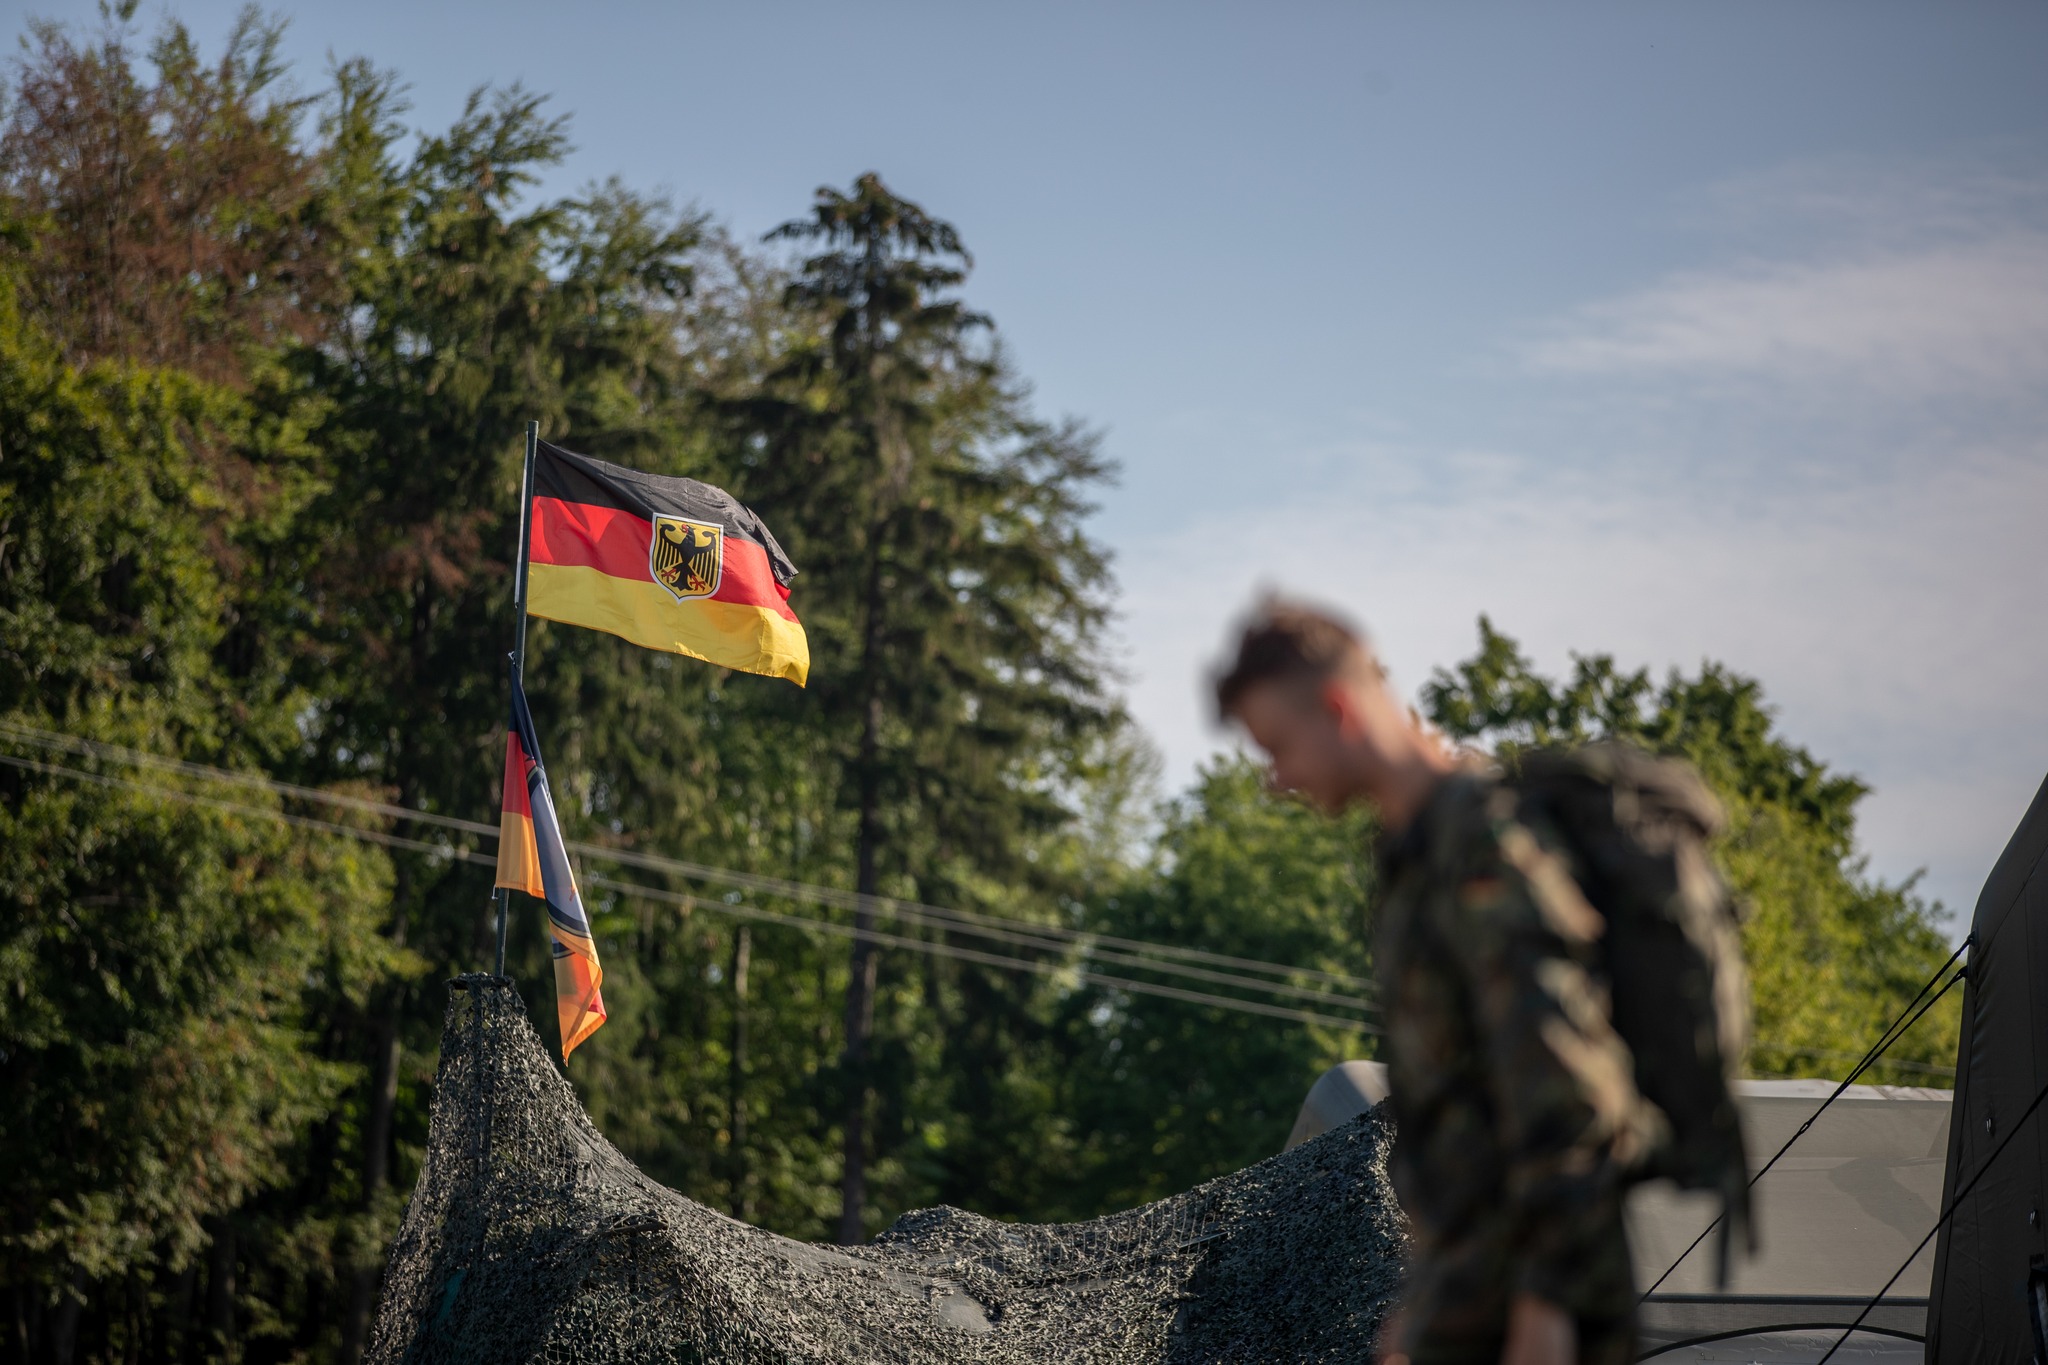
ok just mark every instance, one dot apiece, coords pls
pixel 1635 829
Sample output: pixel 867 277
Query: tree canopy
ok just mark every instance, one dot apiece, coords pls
pixel 265 362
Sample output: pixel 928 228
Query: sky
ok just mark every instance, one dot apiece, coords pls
pixel 1672 332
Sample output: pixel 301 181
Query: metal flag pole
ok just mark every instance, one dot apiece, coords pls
pixel 518 655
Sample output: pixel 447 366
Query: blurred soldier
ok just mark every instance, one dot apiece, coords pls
pixel 1518 1120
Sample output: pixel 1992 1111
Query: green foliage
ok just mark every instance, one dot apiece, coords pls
pixel 175 220
pixel 1168 1094
pixel 163 965
pixel 261 391
pixel 952 623
pixel 1833 954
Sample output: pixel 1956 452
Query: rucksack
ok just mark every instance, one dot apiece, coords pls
pixel 1635 830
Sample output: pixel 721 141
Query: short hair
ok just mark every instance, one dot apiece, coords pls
pixel 1292 641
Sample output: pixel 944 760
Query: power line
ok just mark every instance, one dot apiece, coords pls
pixel 373 836
pixel 731 908
pixel 851 900
pixel 139 758
pixel 1052 969
pixel 1114 950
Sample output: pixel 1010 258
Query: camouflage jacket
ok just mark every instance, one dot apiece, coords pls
pixel 1517 1114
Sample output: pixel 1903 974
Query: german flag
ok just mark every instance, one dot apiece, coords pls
pixel 670 564
pixel 532 858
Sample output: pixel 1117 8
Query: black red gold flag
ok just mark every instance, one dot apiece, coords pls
pixel 532 858
pixel 668 563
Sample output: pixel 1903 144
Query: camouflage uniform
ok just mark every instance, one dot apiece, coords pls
pixel 1517 1114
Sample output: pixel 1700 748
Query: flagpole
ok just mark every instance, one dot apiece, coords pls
pixel 504 896
pixel 525 534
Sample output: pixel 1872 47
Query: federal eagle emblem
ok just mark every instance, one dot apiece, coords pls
pixel 687 557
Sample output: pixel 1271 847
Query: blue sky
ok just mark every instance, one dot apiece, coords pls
pixel 1671 331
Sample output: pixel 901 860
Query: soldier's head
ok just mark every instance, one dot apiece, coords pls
pixel 1307 688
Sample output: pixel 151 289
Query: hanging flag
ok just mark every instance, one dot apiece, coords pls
pixel 670 564
pixel 531 858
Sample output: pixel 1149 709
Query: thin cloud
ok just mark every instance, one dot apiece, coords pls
pixel 1956 317
pixel 1860 203
pixel 1816 458
pixel 1894 622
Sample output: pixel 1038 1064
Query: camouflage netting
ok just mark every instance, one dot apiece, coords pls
pixel 530 1238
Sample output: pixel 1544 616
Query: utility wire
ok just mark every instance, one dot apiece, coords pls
pixel 139 758
pixel 1019 933
pixel 721 906
pixel 1014 932
pixel 1053 969
pixel 1946 1214
pixel 852 900
pixel 374 836
pixel 1893 1032
pixel 1105 947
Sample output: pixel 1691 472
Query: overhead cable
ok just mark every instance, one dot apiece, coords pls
pixel 1789 1050
pixel 1042 968
pixel 1108 948
pixel 734 909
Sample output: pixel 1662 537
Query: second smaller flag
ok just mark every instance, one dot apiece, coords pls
pixel 532 858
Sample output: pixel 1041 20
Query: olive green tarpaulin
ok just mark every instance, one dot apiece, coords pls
pixel 531 1238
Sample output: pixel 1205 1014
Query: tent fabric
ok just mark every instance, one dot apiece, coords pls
pixel 1995 1240
pixel 1835 1216
pixel 1339 1095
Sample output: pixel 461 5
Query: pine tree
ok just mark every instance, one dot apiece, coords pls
pixel 952 596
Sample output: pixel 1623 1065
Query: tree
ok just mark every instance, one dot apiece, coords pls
pixel 956 598
pixel 176 222
pixel 270 506
pixel 348 342
pixel 163 964
pixel 467 311
pixel 1164 1095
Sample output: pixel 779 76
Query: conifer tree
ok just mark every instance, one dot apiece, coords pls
pixel 952 594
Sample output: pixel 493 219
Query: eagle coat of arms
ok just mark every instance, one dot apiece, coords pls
pixel 687 557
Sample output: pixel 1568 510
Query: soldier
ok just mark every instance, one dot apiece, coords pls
pixel 1517 1116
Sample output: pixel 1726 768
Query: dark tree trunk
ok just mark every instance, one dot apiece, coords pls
pixel 742 1205
pixel 385 1053
pixel 134 1318
pixel 860 984
pixel 383 1097
pixel 23 1337
pixel 174 1327
pixel 64 1323
pixel 386 1050
pixel 220 1291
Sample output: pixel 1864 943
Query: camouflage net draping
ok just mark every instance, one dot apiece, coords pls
pixel 531 1238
